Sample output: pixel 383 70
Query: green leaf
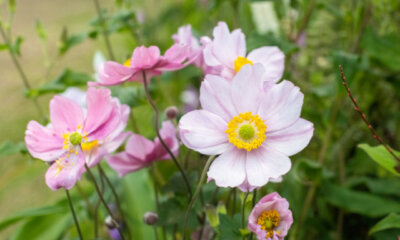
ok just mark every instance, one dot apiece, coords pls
pixel 41 31
pixel 10 148
pixel 381 156
pixel 3 47
pixel 389 222
pixel 66 41
pixel 12 5
pixel 229 228
pixel 17 46
pixel 306 170
pixel 385 49
pixel 257 40
pixel 33 212
pixel 359 202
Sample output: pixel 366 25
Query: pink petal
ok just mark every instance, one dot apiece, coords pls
pixel 42 142
pixel 145 58
pixel 281 106
pixel 247 88
pixel 204 132
pixel 177 53
pixel 215 97
pixel 229 169
pixel 265 163
pixel 123 163
pixel 292 139
pixel 102 114
pixel 113 73
pixel 139 147
pixel 168 134
pixel 68 175
pixel 65 114
pixel 273 60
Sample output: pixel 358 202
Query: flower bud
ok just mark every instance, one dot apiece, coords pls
pixel 110 222
pixel 150 218
pixel 171 112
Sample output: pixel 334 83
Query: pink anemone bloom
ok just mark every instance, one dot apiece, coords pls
pixel 271 218
pixel 226 53
pixel 141 152
pixel 253 129
pixel 72 135
pixel 147 59
pixel 114 140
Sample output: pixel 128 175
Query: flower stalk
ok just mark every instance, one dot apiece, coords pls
pixel 78 229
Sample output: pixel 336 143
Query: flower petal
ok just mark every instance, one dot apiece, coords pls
pixel 273 60
pixel 123 163
pixel 43 143
pixel 139 147
pixel 281 106
pixel 145 58
pixel 168 134
pixel 215 97
pixel 229 169
pixel 113 73
pixel 204 132
pixel 67 176
pixel 265 163
pixel 292 139
pixel 65 114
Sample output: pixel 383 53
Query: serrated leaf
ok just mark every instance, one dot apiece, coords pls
pixel 381 156
pixel 389 222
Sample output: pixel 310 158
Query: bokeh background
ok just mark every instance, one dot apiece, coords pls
pixel 349 192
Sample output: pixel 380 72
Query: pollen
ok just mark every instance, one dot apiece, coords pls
pixel 240 62
pixel 269 220
pixel 246 131
pixel 87 146
pixel 127 63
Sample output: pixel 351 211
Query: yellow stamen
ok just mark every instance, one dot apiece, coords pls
pixel 240 62
pixel 246 131
pixel 87 146
pixel 268 220
pixel 127 63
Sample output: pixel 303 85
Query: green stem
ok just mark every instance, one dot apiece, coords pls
pixel 96 207
pixel 150 100
pixel 102 199
pixel 153 174
pixel 243 211
pixel 104 30
pixel 196 193
pixel 78 229
pixel 253 204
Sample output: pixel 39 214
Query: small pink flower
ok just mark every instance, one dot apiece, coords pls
pixel 254 128
pixel 226 54
pixel 141 152
pixel 143 59
pixel 72 135
pixel 271 218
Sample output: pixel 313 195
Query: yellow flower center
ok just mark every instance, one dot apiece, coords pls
pixel 246 131
pixel 269 220
pixel 240 62
pixel 127 63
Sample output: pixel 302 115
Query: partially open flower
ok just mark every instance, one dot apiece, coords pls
pixel 271 218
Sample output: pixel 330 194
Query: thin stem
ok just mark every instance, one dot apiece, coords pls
pixel 20 70
pixel 153 174
pixel 159 136
pixel 102 199
pixel 96 207
pixel 196 193
pixel 155 232
pixel 133 120
pixel 234 202
pixel 104 29
pixel 306 19
pixel 78 229
pixel 364 118
pixel 243 211
pixel 253 204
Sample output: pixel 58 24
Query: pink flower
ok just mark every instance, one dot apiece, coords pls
pixel 143 59
pixel 114 140
pixel 72 135
pixel 141 152
pixel 254 128
pixel 271 218
pixel 226 53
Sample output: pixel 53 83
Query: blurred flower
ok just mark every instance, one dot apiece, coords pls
pixel 143 59
pixel 150 218
pixel 254 128
pixel 190 97
pixel 72 135
pixel 226 54
pixel 271 218
pixel 141 152
pixel 171 112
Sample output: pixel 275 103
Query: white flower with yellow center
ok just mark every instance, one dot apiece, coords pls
pixel 252 127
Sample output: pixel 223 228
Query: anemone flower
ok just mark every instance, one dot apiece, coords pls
pixel 141 152
pixel 72 135
pixel 226 53
pixel 271 218
pixel 253 129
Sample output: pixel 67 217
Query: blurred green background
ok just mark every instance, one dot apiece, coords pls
pixel 349 193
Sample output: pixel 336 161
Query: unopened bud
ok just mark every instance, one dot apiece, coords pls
pixel 171 112
pixel 150 218
pixel 110 222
